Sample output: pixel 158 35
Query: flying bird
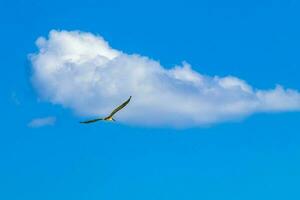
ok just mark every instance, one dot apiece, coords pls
pixel 110 116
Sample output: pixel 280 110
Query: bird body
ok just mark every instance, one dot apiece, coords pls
pixel 110 116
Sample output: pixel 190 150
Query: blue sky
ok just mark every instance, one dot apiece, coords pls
pixel 252 158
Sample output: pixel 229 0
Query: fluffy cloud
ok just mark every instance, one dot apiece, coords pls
pixel 39 122
pixel 81 71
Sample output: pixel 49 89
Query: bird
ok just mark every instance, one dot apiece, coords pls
pixel 110 116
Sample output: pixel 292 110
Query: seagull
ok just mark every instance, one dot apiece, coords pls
pixel 109 117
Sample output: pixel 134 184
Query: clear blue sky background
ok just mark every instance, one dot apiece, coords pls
pixel 257 158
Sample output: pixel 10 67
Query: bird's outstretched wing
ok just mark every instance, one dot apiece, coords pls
pixel 119 107
pixel 91 121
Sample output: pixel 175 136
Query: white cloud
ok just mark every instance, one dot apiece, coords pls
pixel 81 71
pixel 39 122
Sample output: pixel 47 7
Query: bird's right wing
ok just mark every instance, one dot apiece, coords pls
pixel 91 121
pixel 119 107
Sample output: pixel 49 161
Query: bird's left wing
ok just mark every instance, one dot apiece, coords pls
pixel 91 121
pixel 120 107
